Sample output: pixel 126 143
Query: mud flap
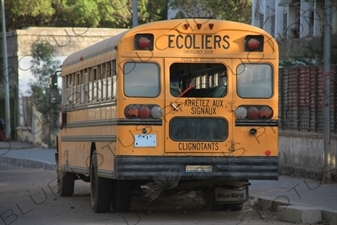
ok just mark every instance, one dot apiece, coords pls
pixel 230 195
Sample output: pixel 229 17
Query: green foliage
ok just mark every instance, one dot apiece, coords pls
pixel 23 13
pixel 44 64
pixel 235 10
pixel 84 13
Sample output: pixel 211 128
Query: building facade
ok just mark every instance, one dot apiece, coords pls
pixel 286 19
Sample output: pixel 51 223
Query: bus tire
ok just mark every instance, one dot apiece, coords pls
pixel 66 183
pixel 121 196
pixel 234 207
pixel 209 201
pixel 100 188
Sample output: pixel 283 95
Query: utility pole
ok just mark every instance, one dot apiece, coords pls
pixel 326 90
pixel 134 13
pixel 5 74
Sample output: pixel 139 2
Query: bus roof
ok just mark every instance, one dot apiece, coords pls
pixel 93 50
pixel 112 42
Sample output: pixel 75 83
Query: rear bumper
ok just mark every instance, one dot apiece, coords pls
pixel 222 168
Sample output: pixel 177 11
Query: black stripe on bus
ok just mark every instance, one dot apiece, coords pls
pixel 270 123
pixel 109 122
pixel 89 138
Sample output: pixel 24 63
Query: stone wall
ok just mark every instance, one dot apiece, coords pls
pixel 301 155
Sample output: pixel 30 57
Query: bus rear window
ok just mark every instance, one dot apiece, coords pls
pixel 254 80
pixel 203 80
pixel 141 79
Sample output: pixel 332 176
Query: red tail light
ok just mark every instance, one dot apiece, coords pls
pixel 253 113
pixel 144 112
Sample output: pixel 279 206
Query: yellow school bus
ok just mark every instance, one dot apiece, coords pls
pixel 189 100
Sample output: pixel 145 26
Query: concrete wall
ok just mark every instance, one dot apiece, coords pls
pixel 301 155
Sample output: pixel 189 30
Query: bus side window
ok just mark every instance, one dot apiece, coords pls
pixel 86 87
pixel 93 84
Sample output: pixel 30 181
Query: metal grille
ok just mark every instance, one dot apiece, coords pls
pixel 198 129
pixel 301 98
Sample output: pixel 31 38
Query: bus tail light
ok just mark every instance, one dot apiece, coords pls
pixel 156 112
pixel 144 42
pixel 143 111
pixel 241 113
pixel 251 112
pixel 267 152
pixel 254 43
pixel 131 111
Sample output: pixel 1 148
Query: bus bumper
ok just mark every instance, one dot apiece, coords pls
pixel 196 168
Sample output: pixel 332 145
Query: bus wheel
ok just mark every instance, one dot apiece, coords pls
pixel 209 201
pixel 121 195
pixel 234 207
pixel 66 183
pixel 100 188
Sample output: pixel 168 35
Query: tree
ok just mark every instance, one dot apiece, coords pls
pixel 24 13
pixel 44 64
pixel 235 10
pixel 84 13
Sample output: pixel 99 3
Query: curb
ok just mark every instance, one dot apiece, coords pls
pixel 329 216
pixel 27 163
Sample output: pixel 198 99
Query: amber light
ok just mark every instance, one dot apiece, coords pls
pixel 266 112
pixel 131 111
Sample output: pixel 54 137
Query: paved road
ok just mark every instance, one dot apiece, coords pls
pixel 29 197
pixel 289 191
